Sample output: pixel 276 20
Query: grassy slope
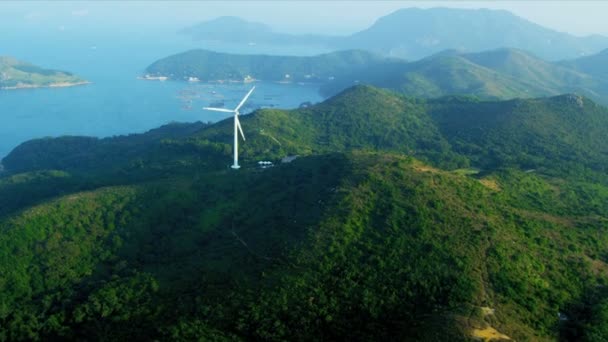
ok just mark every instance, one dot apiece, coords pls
pixel 593 65
pixel 443 74
pixel 456 75
pixel 551 78
pixel 14 73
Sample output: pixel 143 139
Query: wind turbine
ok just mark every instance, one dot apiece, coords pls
pixel 237 126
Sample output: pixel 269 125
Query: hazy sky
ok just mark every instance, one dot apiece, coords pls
pixel 338 17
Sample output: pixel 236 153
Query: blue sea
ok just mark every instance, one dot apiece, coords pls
pixel 116 102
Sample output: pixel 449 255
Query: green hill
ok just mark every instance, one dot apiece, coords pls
pixel 560 134
pixel 451 132
pixel 495 74
pixel 595 65
pixel 343 246
pixel 550 78
pixel 214 66
pixel 357 239
pixel 446 74
pixel 15 74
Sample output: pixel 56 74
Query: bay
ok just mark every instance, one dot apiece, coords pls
pixel 117 102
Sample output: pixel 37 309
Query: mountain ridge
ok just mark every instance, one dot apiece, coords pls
pixel 508 29
pixel 415 33
pixel 495 74
pixel 422 127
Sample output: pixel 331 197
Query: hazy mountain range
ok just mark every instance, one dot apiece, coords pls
pixel 414 33
pixel 593 65
pixel 500 74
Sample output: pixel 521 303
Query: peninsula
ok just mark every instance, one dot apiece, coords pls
pixel 16 74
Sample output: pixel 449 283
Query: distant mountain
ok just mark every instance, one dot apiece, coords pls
pixel 440 75
pixel 15 74
pixel 211 66
pixel 413 33
pixel 595 65
pixel 236 30
pixel 500 74
pixel 495 74
pixel 356 239
pixel 526 67
pixel 556 134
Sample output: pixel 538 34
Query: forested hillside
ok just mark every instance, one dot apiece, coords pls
pixel 444 219
pixel 215 66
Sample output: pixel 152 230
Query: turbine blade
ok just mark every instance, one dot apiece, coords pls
pixel 244 99
pixel 223 110
pixel 238 124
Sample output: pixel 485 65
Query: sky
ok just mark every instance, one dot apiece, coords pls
pixel 331 17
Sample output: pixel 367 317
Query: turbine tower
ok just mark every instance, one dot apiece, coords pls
pixel 237 126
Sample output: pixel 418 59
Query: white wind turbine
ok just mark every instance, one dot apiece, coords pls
pixel 237 126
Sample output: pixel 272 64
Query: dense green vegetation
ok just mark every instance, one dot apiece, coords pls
pixel 495 74
pixel 402 218
pixel 559 135
pixel 18 74
pixel 212 66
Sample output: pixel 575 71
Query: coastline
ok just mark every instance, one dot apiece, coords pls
pixel 194 79
pixel 244 81
pixel 51 85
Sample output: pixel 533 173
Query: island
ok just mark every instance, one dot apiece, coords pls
pixel 210 66
pixel 401 218
pixel 16 74
pixel 504 73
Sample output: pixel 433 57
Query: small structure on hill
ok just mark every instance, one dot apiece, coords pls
pixel 265 164
pixel 288 159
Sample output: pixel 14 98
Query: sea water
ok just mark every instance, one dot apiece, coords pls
pixel 117 102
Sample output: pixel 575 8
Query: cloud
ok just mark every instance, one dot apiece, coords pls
pixel 80 13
